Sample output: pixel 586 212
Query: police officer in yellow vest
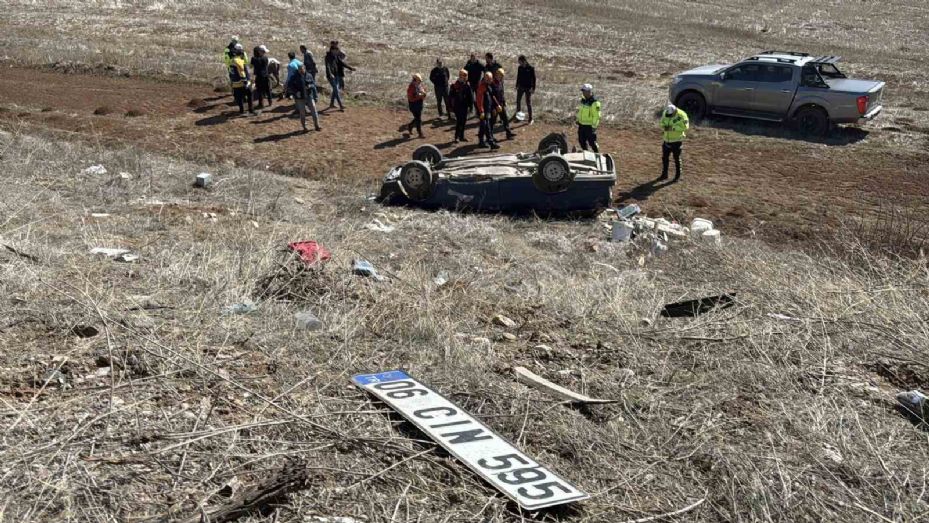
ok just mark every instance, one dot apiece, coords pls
pixel 674 124
pixel 588 119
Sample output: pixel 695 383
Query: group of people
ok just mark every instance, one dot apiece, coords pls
pixel 478 89
pixel 299 84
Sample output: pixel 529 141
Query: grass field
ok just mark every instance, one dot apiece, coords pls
pixel 130 392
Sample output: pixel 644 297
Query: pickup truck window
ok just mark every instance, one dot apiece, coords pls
pixel 809 77
pixel 778 74
pixel 745 73
pixel 830 71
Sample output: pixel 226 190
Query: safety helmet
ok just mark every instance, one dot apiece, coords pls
pixel 263 49
pixel 238 47
pixel 670 109
pixel 587 88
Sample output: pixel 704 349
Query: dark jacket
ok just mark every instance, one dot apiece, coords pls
pixel 335 65
pixel 492 68
pixel 439 78
pixel 475 71
pixel 310 63
pixel 498 93
pixel 485 100
pixel 525 78
pixel 460 97
pixel 296 85
pixel 260 66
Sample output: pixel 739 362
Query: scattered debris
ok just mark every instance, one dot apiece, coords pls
pixel 108 252
pixel 365 268
pixel 333 519
pixel 503 321
pixel 310 252
pixel 692 308
pixel 832 453
pixel 306 320
pixel 84 331
pixel 127 257
pixel 699 225
pixel 659 248
pixel 711 237
pixel 94 170
pixel 56 377
pixel 782 317
pixel 915 404
pixel 124 175
pixel 440 279
pixel 628 211
pixel 509 336
pixel 622 231
pixel 203 180
pixel 20 253
pixel 99 215
pixel 241 308
pixel 496 460
pixel 379 226
pixel 525 376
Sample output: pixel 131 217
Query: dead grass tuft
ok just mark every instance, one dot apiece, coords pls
pixel 132 113
pixel 104 110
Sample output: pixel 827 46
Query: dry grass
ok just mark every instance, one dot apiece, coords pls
pixel 174 403
pixel 629 50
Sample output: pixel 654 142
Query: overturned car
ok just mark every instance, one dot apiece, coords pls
pixel 550 181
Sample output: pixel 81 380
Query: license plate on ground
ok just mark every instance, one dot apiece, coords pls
pixel 485 452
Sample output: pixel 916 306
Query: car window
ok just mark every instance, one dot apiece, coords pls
pixel 745 73
pixel 809 77
pixel 830 71
pixel 778 74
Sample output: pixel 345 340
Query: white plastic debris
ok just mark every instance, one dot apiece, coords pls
pixel 308 321
pixel 99 215
pixel 659 248
pixel 204 180
pixel 916 403
pixel 125 176
pixel 94 170
pixel 108 252
pixel 699 225
pixel 622 231
pixel 127 257
pixel 440 279
pixel 711 237
pixel 379 226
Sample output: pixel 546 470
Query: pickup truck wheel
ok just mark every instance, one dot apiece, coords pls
pixel 429 154
pixel 553 174
pixel 416 180
pixel 553 142
pixel 693 104
pixel 812 121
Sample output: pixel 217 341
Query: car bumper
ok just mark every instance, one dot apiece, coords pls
pixel 870 115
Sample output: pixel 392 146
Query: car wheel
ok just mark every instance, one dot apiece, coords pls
pixel 553 174
pixel 812 121
pixel 429 154
pixel 554 142
pixel 693 104
pixel 416 180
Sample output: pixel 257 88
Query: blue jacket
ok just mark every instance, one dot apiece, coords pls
pixel 292 68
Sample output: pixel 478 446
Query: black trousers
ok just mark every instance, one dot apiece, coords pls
pixel 263 89
pixel 441 99
pixel 417 109
pixel 587 137
pixel 241 95
pixel 485 132
pixel 667 149
pixel 461 118
pixel 504 119
pixel 519 99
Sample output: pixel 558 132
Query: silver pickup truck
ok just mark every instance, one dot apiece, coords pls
pixel 779 86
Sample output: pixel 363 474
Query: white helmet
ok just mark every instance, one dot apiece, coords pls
pixel 238 47
pixel 587 88
pixel 670 109
pixel 263 49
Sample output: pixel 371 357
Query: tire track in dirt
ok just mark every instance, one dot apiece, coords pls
pixel 779 189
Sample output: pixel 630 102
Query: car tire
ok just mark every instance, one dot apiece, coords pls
pixel 429 154
pixel 811 121
pixel 416 180
pixel 551 142
pixel 553 174
pixel 694 104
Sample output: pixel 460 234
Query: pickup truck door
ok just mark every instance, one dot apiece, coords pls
pixel 775 91
pixel 736 91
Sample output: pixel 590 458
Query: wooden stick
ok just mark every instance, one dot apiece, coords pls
pixel 524 375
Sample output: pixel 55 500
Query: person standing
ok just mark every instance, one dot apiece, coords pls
pixel 240 80
pixel 500 97
pixel 260 65
pixel 292 65
pixel 525 85
pixel 415 97
pixel 475 70
pixel 486 105
pixel 490 64
pixel 229 52
pixel 588 119
pixel 439 78
pixel 460 100
pixel 308 61
pixel 299 87
pixel 335 73
pixel 674 124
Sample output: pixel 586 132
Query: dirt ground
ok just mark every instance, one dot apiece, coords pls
pixel 745 179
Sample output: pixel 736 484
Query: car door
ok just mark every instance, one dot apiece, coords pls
pixel 736 92
pixel 775 91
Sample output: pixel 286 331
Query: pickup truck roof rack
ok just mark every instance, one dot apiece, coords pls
pixel 762 58
pixel 825 60
pixel 789 53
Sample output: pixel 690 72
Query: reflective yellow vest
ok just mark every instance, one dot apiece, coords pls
pixel 674 127
pixel 588 113
pixel 238 70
